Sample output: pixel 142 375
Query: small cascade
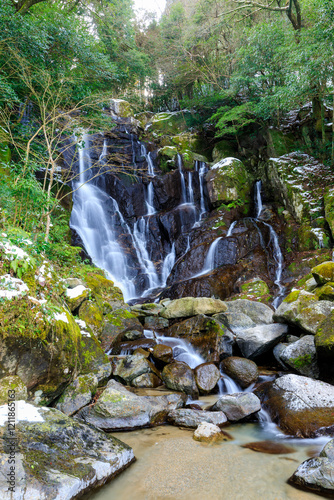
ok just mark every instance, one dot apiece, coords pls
pixel 183 182
pixel 258 199
pixel 190 189
pixel 230 229
pixel 150 165
pixel 202 169
pixel 182 350
pixel 227 385
pixel 150 199
pixel 209 263
pixel 277 253
pixel 168 264
pixel 140 239
pixel 103 155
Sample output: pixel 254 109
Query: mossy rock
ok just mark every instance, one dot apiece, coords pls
pixel 279 144
pixel 308 238
pixel 74 297
pixel 255 289
pixel 77 394
pixel 187 141
pixel 12 386
pixel 102 287
pixel 224 149
pixel 324 343
pixel 329 208
pixel 172 123
pixel 57 456
pixel 228 181
pixel 92 315
pixel 5 155
pixel 324 273
pixel 121 108
pixel 116 324
pixel 325 292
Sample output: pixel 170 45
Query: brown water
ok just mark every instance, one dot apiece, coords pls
pixel 172 466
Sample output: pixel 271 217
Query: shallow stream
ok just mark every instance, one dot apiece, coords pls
pixel 172 466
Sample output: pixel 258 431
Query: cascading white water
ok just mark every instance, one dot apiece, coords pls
pixel 183 182
pixel 91 220
pixel 230 229
pixel 140 237
pixel 150 199
pixel 190 189
pixel 277 253
pixel 209 263
pixel 202 169
pixel 168 264
pixel 150 165
pixel 103 154
pixel 182 350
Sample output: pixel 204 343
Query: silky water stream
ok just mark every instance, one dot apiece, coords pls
pixel 172 466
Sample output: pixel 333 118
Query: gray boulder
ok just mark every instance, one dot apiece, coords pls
pixel 128 368
pixel 57 456
pixel 78 394
pixel 258 313
pixel 317 474
pixel 192 418
pixel 256 341
pixel 191 306
pixel 117 408
pixel 238 406
pixel 206 376
pixel 243 371
pixel 302 357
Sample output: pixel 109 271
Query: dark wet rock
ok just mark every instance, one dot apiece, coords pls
pixel 154 323
pixel 117 408
pixel 238 406
pixel 303 309
pixel 192 418
pixel 243 371
pixel 302 357
pixel 300 406
pixel 206 376
pixel 57 456
pixel 254 342
pixel 277 351
pixel 78 394
pixel 271 447
pixel 209 433
pixel 192 306
pixel 149 309
pixel 317 474
pixel 179 377
pixel 132 345
pixel 203 333
pixel 147 380
pixel 132 335
pixel 163 353
pixel 128 368
pixel 226 343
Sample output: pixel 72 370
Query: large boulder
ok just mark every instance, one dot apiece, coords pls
pixel 170 123
pixel 238 406
pixel 324 273
pixel 257 312
pixel 77 394
pixel 228 181
pixel 126 369
pixel 76 296
pixel 206 376
pixel 203 333
pixel 317 474
pixel 185 417
pixel 243 371
pixel 191 306
pixel 119 409
pixel 179 377
pixel 303 309
pixel 253 342
pixel 324 344
pixel 302 357
pixel 117 324
pixel 12 385
pixel 301 406
pixel 56 456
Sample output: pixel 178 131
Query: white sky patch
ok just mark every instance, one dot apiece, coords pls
pixel 73 293
pixel 24 412
pixel 157 6
pixel 11 287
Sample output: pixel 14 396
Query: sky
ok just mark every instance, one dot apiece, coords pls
pixel 151 5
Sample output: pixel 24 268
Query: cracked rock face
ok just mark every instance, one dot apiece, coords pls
pixel 301 406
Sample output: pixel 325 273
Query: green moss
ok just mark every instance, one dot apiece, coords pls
pixel 116 317
pixel 301 361
pixel 292 297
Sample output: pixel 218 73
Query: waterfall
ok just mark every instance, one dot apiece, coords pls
pixel 91 220
pixel 258 199
pixel 150 199
pixel 201 174
pixel 230 229
pixel 227 385
pixel 104 152
pixel 190 189
pixel 150 165
pixel 183 182
pixel 140 238
pixel 168 265
pixel 182 350
pixel 277 253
